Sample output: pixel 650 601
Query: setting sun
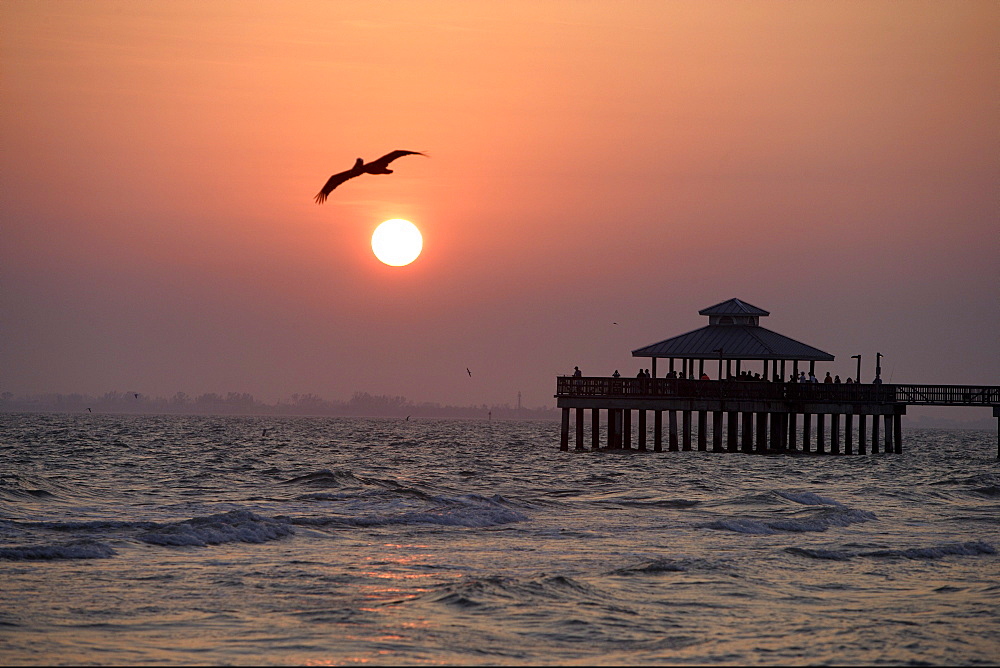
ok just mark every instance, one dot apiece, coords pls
pixel 397 242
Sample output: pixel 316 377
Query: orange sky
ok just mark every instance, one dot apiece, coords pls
pixel 836 163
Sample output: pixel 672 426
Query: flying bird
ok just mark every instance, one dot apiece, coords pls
pixel 467 371
pixel 380 166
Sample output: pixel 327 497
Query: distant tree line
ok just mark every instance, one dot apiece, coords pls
pixel 361 404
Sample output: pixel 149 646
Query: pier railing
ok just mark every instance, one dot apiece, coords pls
pixel 671 388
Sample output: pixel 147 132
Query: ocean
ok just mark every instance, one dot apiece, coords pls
pixel 192 540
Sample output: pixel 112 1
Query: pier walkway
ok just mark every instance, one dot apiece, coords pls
pixel 754 416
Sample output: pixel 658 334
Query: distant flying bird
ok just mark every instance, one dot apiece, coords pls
pixel 469 372
pixel 89 411
pixel 380 166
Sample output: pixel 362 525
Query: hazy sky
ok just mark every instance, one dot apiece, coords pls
pixel 836 163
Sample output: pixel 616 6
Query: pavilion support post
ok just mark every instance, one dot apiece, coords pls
pixel 657 431
pixel 897 433
pixel 627 428
pixel 702 430
pixel 777 430
pixel 806 432
pixel 717 432
pixel 835 433
pixel 564 433
pixel 793 432
pixel 761 432
pixel 642 430
pixel 686 430
pixel 862 437
pixel 579 428
pixel 595 429
pixel 611 428
pixel 732 431
pixel 887 445
pixel 821 433
pixel 747 431
pixel 874 434
pixel 672 427
pixel 849 434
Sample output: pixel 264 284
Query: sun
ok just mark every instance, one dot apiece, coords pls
pixel 397 242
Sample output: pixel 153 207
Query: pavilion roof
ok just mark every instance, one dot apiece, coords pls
pixel 733 329
pixel 742 342
pixel 733 307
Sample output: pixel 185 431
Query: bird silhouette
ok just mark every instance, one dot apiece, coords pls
pixel 379 166
pixel 469 372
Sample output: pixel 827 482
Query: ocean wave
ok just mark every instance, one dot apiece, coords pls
pixel 489 592
pixel 651 503
pixel 808 498
pixel 467 510
pixel 91 525
pixel 665 565
pixel 817 553
pixel 971 548
pixel 837 516
pixel 80 549
pixel 236 526
pixel 326 478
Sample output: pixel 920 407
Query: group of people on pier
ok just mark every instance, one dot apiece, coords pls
pixel 743 376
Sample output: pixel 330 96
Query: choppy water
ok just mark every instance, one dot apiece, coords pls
pixel 199 540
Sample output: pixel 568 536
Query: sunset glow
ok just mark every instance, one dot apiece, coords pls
pixel 586 163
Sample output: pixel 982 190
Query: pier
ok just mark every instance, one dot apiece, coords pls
pixel 759 412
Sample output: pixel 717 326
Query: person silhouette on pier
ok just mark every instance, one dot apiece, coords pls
pixel 576 372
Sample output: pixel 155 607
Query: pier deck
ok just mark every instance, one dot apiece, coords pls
pixel 759 415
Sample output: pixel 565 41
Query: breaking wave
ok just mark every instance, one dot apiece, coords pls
pixel 236 526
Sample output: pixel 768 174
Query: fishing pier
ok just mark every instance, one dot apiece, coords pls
pixel 759 412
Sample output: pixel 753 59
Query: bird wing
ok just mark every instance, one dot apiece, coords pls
pixel 384 161
pixel 335 181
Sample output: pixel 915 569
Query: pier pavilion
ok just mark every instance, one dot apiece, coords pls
pixel 750 411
